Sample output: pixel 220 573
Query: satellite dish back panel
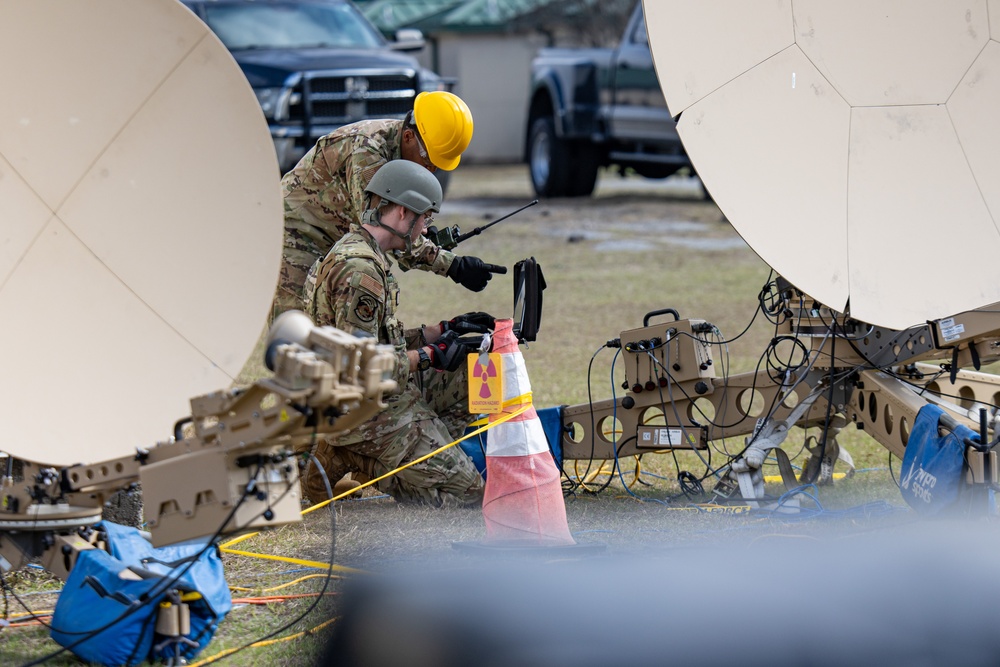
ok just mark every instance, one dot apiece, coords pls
pixel 141 224
pixel 853 144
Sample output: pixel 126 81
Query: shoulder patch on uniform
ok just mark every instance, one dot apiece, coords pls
pixel 365 307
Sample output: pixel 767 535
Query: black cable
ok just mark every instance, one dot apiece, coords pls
pixel 326 581
pixel 680 422
pixel 7 587
pixel 774 404
pixel 691 487
pixel 923 388
pixel 778 371
pixel 142 632
pixel 593 424
pixel 163 584
pixel 573 486
pixel 611 475
pixel 887 369
pixel 760 309
pixel 616 468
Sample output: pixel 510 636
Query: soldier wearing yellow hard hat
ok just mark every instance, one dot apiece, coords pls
pixel 324 194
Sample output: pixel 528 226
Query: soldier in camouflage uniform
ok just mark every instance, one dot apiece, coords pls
pixel 325 193
pixel 356 292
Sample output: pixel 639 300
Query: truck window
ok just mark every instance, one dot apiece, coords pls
pixel 639 34
pixel 291 26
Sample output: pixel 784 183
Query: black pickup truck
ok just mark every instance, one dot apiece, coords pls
pixel 591 108
pixel 316 65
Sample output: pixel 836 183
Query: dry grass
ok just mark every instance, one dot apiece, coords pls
pixel 608 261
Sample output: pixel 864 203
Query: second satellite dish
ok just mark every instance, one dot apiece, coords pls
pixel 851 143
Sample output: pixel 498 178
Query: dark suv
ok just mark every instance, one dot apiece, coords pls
pixel 316 65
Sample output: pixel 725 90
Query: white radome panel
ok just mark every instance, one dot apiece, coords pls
pixel 105 56
pixel 973 109
pixel 217 225
pixel 744 33
pixel 17 201
pixel 800 133
pixel 881 52
pixel 919 80
pixel 94 371
pixel 918 146
pixel 140 188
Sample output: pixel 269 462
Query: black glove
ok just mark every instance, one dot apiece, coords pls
pixel 449 353
pixel 477 322
pixel 473 273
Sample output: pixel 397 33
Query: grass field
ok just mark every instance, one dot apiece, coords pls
pixel 634 248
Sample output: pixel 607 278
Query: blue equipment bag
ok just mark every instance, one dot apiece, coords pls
pixel 122 611
pixel 933 466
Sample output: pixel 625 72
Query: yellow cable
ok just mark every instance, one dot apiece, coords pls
pixel 269 642
pixel 295 561
pixel 225 548
pixel 635 478
pixel 423 458
pixel 279 586
pixel 41 612
pixel 591 476
pixel 777 479
pixel 517 400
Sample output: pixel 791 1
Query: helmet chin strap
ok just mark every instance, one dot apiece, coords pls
pixel 374 218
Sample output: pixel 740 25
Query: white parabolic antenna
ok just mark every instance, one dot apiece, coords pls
pixel 140 224
pixel 854 144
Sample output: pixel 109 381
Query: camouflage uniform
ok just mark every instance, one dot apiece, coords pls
pixel 325 194
pixel 355 292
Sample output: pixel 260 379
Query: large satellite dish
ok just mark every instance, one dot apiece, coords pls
pixel 140 224
pixel 852 143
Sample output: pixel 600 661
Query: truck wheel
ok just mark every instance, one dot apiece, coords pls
pixel 548 158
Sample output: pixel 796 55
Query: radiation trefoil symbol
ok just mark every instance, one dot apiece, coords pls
pixel 485 383
pixel 485 373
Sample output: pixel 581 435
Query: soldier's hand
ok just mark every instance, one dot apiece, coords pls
pixel 476 322
pixel 449 353
pixel 473 273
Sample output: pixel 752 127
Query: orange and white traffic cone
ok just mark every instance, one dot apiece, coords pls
pixel 523 501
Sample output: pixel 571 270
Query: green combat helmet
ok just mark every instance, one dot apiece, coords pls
pixel 407 184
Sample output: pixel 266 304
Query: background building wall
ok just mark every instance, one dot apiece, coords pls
pixel 493 72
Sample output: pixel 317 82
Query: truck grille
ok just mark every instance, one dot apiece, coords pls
pixel 345 97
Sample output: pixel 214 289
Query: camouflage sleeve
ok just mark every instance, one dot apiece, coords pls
pixel 414 338
pixel 427 257
pixel 359 168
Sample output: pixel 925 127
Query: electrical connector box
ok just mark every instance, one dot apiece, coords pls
pixel 670 352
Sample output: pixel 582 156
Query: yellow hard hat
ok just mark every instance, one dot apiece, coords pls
pixel 445 125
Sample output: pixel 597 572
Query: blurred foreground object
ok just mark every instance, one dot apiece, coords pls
pixel 913 598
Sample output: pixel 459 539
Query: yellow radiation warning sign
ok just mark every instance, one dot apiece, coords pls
pixel 485 383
